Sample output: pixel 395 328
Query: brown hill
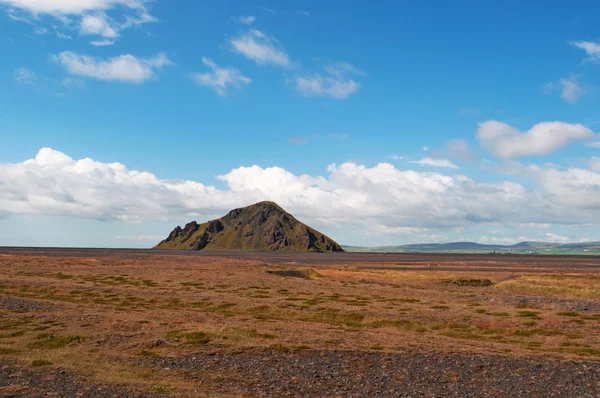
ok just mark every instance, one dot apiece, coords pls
pixel 263 226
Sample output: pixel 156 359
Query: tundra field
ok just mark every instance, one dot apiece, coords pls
pixel 116 323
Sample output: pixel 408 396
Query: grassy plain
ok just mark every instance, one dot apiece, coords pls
pixel 115 316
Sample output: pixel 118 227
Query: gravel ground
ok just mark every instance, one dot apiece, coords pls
pixel 309 373
pixel 19 382
pixel 17 304
pixel 565 304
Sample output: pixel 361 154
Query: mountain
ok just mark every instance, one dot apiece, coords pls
pixel 472 247
pixel 263 226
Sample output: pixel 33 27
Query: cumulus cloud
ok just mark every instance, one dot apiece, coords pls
pixel 97 25
pixel 220 78
pixel 591 48
pixel 436 163
pixel 125 68
pixel 505 141
pixel 70 7
pixel 348 195
pixel 91 14
pixel 336 83
pixel 595 144
pixel 260 48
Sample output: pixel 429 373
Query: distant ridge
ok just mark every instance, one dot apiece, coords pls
pixel 264 226
pixel 472 247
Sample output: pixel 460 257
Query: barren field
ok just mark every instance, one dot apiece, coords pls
pixel 116 323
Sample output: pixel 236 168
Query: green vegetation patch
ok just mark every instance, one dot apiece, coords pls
pixel 529 314
pixel 50 341
pixel 469 282
pixel 306 273
pixel 190 337
pixel 40 362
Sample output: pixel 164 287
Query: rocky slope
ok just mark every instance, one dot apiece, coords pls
pixel 263 226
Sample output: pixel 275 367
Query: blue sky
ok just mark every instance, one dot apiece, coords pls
pixel 377 124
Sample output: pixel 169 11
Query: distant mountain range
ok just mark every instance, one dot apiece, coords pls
pixel 263 226
pixel 472 247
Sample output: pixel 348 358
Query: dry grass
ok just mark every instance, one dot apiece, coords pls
pixel 94 314
pixel 555 285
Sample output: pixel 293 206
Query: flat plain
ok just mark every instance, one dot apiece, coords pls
pixel 104 323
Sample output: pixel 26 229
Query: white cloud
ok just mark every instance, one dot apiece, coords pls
pixel 436 163
pixel 349 195
pixel 318 85
pixel 395 157
pixel 591 48
pixel 341 69
pixel 550 237
pixel 335 84
pixel 572 188
pixel 70 7
pixel 594 163
pixel 91 14
pixel 547 237
pixel 533 225
pixel 63 36
pixel 425 148
pixel 385 230
pixel 25 76
pixel 245 20
pixel 15 16
pixel 102 43
pixel 260 48
pixel 595 144
pixel 97 25
pixel 124 68
pixel 571 90
pixel 40 30
pixel 496 240
pixel 220 78
pixel 569 87
pixel 505 141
